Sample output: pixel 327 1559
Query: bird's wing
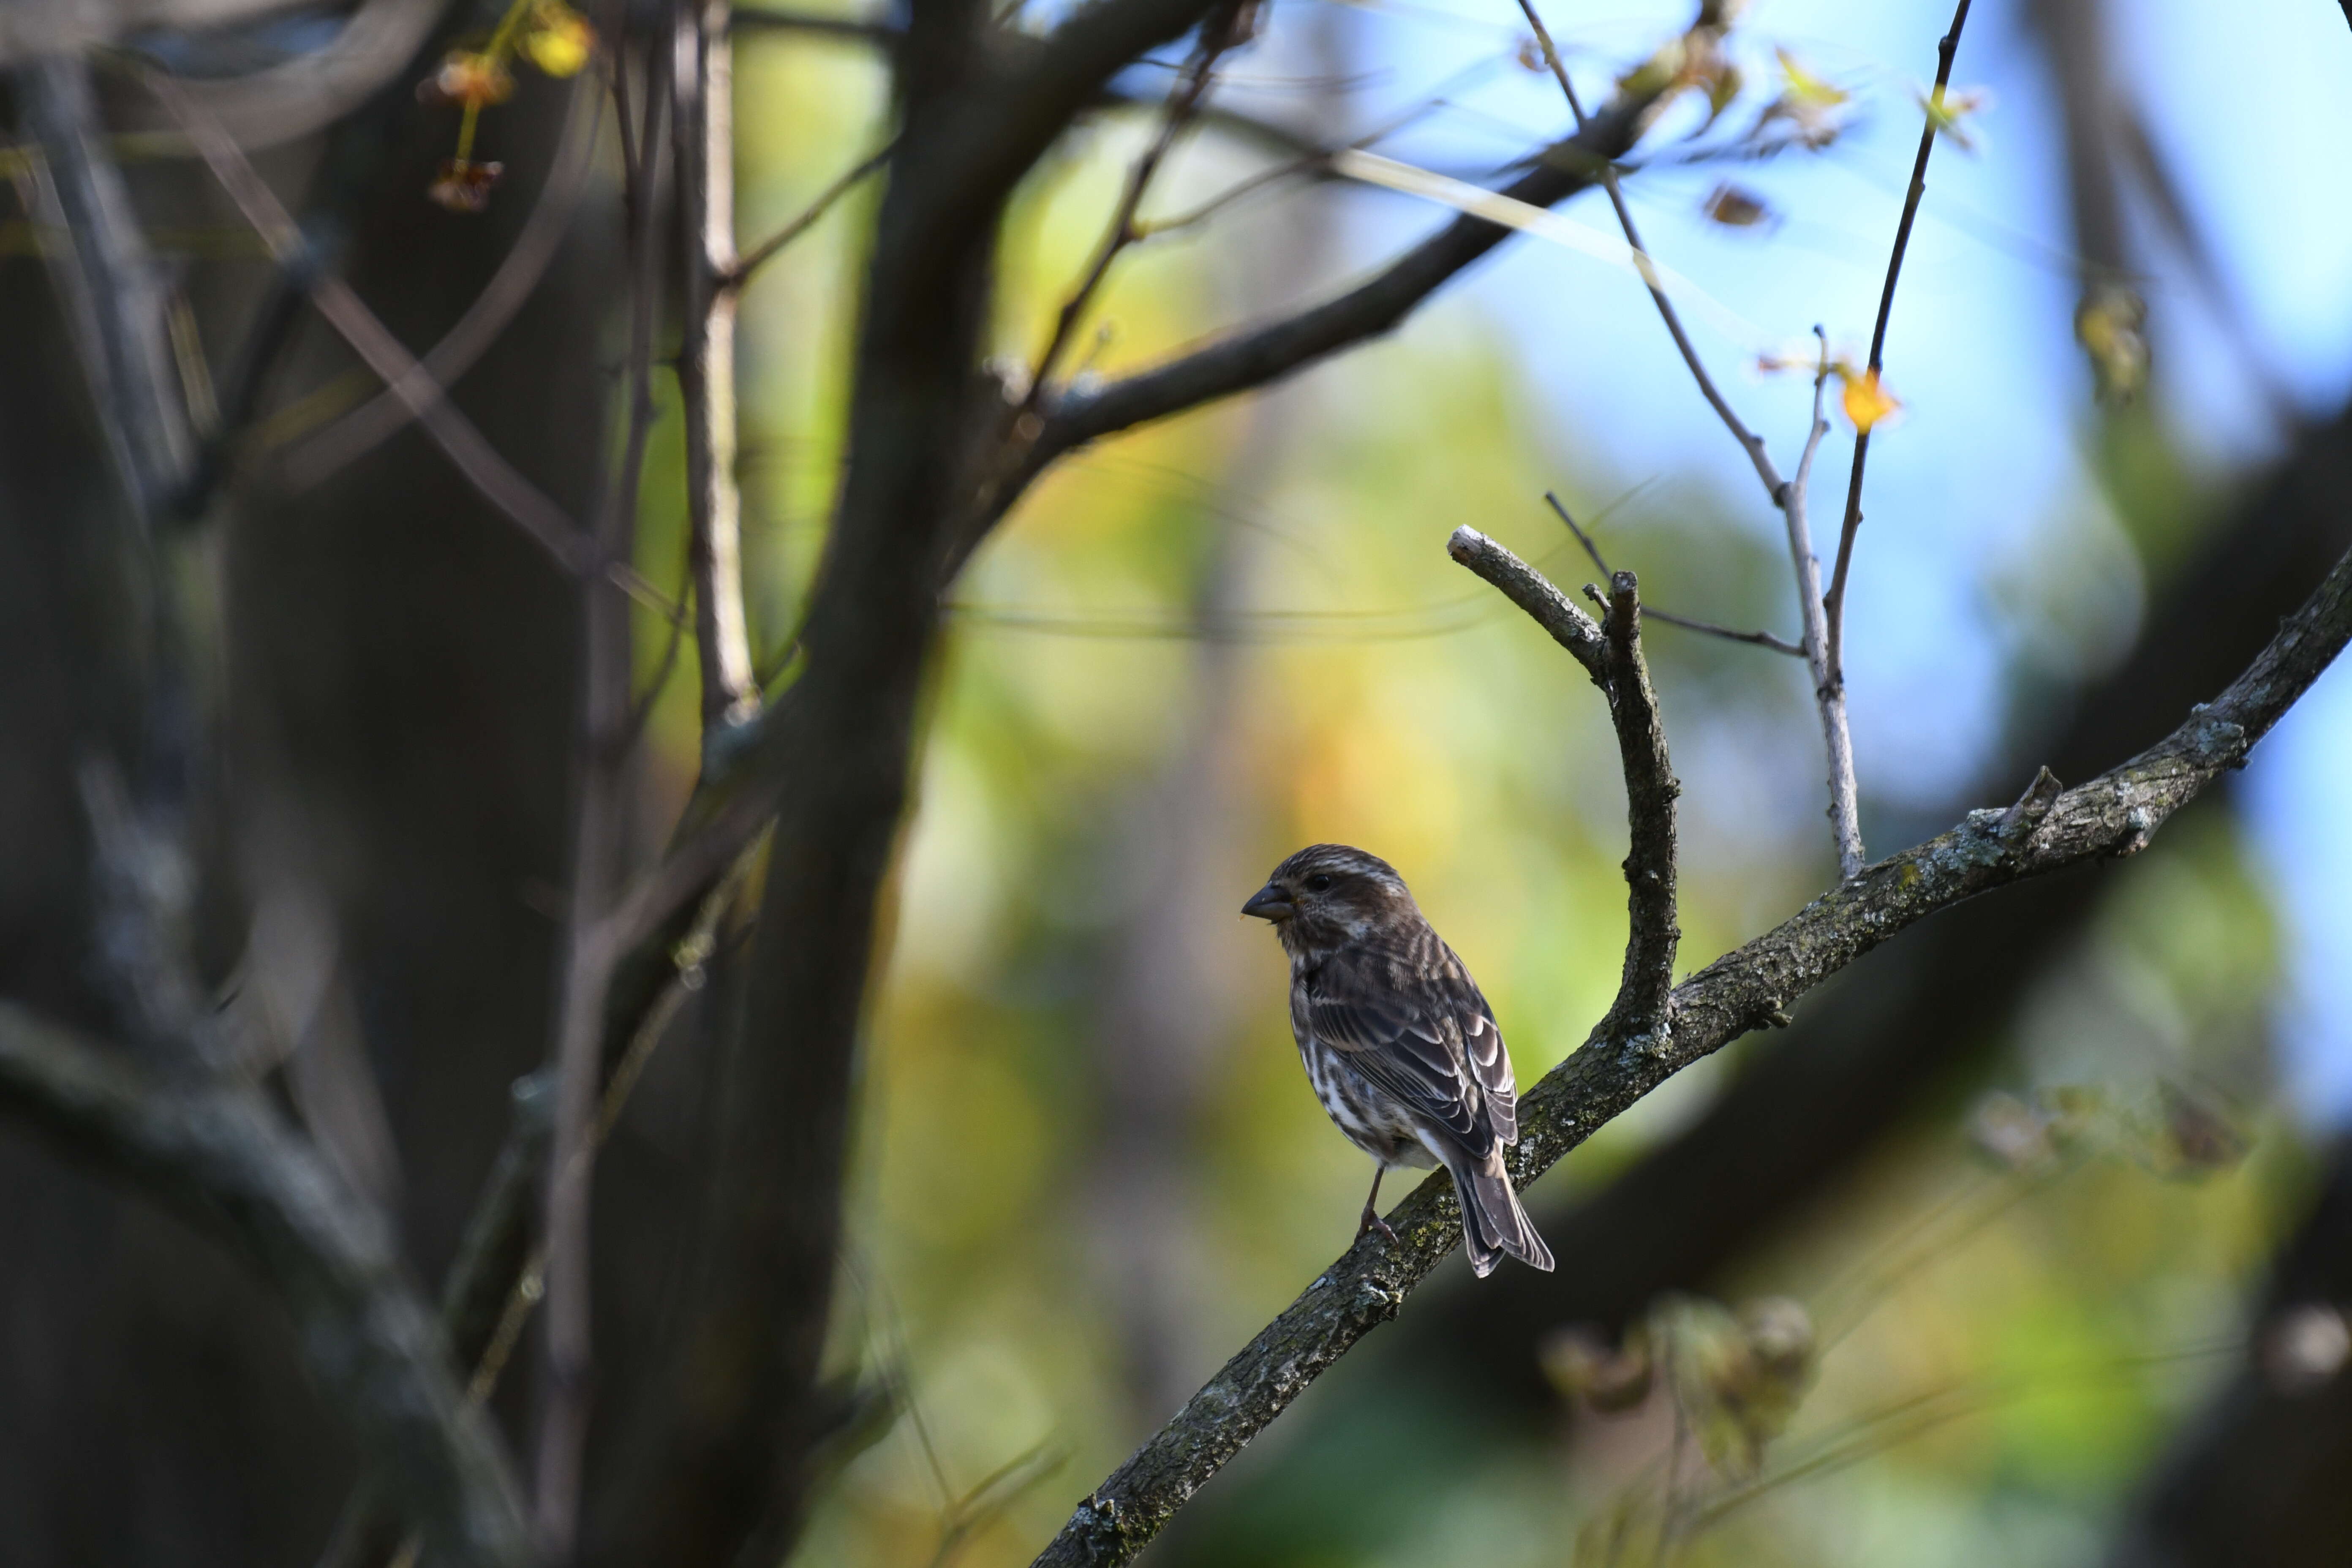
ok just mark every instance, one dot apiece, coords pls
pixel 1413 1023
pixel 1482 1044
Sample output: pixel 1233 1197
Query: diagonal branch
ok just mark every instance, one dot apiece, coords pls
pixel 2047 829
pixel 210 1148
pixel 1264 354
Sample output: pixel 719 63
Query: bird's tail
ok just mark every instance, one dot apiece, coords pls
pixel 1492 1222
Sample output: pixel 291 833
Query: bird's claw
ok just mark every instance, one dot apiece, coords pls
pixel 1372 1222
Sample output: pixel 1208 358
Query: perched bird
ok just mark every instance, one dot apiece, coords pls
pixel 1402 1048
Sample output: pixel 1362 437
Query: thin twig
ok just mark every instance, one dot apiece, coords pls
pixel 1182 100
pixel 740 273
pixel 1750 442
pixel 702 96
pixel 1651 613
pixel 495 479
pixel 1945 50
pixel 1828 687
pixel 561 1419
pixel 321 452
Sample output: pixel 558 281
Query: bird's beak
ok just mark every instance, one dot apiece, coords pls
pixel 1269 904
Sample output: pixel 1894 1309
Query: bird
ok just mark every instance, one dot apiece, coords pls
pixel 1398 1042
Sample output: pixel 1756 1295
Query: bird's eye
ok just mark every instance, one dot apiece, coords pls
pixel 1319 883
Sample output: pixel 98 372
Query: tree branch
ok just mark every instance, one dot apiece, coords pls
pixel 109 282
pixel 211 1149
pixel 1651 613
pixel 1834 601
pixel 703 93
pixel 2047 828
pixel 1828 685
pixel 1267 354
pixel 498 481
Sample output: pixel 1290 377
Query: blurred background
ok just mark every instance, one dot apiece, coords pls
pixel 2028 1240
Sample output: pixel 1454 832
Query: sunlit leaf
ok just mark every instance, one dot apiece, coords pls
pixel 559 39
pixel 1865 399
pixel 1802 85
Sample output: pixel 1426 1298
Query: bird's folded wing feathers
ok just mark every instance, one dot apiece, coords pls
pixel 1431 1043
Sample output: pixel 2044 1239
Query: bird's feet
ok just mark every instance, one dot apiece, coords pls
pixel 1371 1222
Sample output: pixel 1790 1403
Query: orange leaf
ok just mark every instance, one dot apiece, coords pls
pixel 1866 400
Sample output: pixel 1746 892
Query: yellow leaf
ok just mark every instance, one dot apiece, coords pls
pixel 559 40
pixel 1866 400
pixel 1946 108
pixel 1805 85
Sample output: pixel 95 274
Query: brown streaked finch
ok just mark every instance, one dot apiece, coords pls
pixel 1401 1047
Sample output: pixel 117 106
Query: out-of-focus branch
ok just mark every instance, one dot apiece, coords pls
pixel 108 278
pixel 321 452
pixel 1750 442
pixel 210 1148
pixel 1834 601
pixel 498 481
pixel 703 93
pixel 1267 354
pixel 752 261
pixel 2257 1476
pixel 595 872
pixel 2046 829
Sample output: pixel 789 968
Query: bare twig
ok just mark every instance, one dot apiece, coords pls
pixel 1182 100
pixel 1749 988
pixel 739 272
pixel 498 1275
pixel 498 481
pixel 323 451
pixel 1651 613
pixel 702 92
pixel 1945 49
pixel 1750 442
pixel 1829 683
pixel 561 1419
pixel 1829 686
pixel 1267 354
pixel 115 295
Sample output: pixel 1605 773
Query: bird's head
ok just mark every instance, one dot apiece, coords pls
pixel 1326 894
